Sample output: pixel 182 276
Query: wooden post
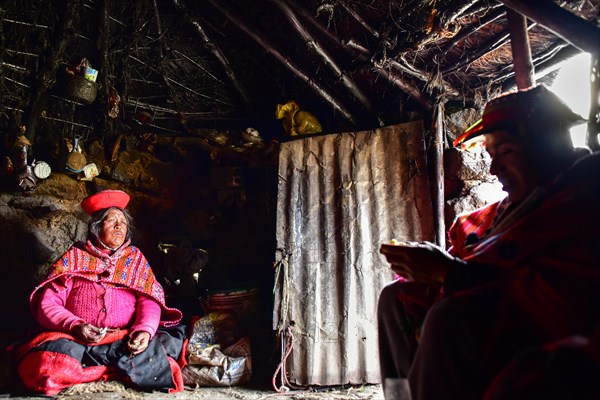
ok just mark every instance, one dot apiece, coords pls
pixel 438 177
pixel 594 115
pixel 519 44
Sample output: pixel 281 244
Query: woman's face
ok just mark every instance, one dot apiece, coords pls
pixel 114 229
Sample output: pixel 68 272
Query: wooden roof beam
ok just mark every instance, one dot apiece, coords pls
pixel 362 54
pixel 575 30
pixel 258 39
pixel 400 65
pixel 489 46
pixel 316 48
pixel 218 54
pixel 466 32
pixel 406 86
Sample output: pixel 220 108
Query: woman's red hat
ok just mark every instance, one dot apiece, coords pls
pixel 105 199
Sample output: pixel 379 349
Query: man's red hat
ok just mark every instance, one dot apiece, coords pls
pixel 535 105
pixel 105 199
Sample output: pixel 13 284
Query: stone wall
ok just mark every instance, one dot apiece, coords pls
pixel 468 184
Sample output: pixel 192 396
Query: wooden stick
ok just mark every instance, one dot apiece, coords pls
pixel 200 66
pixel 106 83
pixel 594 115
pixel 363 54
pixel 438 176
pixel 21 53
pixel 316 47
pixel 68 122
pixel 218 54
pixel 285 61
pixel 544 64
pixel 351 45
pixel 538 61
pixel 16 82
pixel 26 24
pixel 407 87
pixel 482 6
pixel 519 45
pixel 3 51
pixel 161 45
pixel 361 21
pixel 404 66
pixel 575 30
pixel 162 61
pixel 16 68
pixel 466 32
pixel 49 66
pixel 486 48
pixel 422 75
pixel 197 93
pixel 452 14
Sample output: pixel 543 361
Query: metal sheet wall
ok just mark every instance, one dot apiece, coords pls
pixel 339 197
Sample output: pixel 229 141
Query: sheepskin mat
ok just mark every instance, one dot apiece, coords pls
pixel 115 390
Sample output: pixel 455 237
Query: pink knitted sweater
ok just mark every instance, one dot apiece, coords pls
pixel 107 289
pixel 101 304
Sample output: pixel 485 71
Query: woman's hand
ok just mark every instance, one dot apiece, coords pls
pixel 419 262
pixel 88 333
pixel 138 342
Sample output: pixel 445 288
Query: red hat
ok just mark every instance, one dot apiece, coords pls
pixel 536 104
pixel 105 199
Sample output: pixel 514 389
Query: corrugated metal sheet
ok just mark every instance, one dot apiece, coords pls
pixel 340 196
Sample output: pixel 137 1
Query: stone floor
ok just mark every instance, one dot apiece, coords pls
pixel 114 390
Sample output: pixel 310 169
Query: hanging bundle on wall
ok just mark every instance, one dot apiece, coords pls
pixel 82 85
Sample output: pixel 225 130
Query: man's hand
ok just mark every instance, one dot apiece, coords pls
pixel 419 262
pixel 138 342
pixel 88 333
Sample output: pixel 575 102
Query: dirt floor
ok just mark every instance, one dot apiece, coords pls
pixel 115 390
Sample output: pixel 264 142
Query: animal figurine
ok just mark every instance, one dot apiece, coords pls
pixel 296 121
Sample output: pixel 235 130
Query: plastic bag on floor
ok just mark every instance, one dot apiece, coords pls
pixel 209 366
pixel 217 328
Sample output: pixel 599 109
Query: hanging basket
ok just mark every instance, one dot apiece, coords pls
pixel 81 89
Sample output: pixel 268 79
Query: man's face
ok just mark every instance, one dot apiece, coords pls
pixel 512 163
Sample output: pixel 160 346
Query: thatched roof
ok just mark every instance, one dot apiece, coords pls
pixel 184 66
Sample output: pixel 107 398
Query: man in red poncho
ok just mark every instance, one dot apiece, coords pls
pixel 522 274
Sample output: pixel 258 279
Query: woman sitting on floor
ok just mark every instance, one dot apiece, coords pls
pixel 103 313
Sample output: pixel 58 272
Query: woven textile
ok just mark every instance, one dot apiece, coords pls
pixel 127 268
